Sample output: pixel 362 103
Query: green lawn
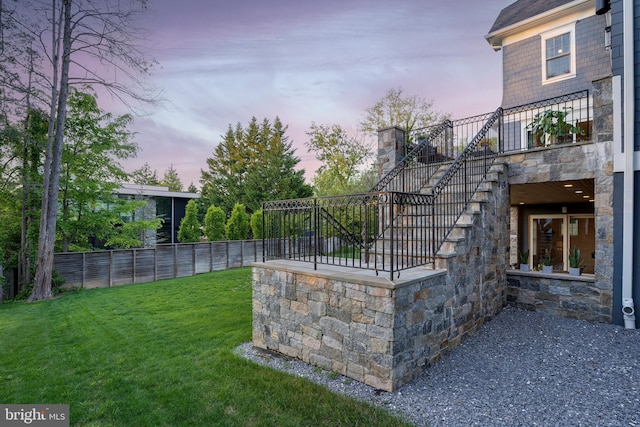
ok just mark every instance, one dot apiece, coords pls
pixel 158 354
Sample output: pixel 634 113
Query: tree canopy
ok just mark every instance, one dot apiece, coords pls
pixel 172 180
pixel 252 165
pixel 408 112
pixel 48 46
pixel 341 154
pixel 145 176
pixel 95 142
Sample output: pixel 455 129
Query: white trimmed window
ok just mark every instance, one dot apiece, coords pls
pixel 558 54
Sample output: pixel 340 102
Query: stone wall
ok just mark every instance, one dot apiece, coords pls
pixel 355 324
pixel 561 295
pixel 380 332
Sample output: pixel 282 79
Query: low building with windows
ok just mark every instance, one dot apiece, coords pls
pixel 170 206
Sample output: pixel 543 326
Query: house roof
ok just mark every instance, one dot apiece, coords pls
pixel 527 14
pixel 522 10
pixel 154 191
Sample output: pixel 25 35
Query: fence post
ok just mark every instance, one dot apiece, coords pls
pixel 133 253
pixel 193 259
pixel 316 238
pixel 391 239
pixel 110 268
pixel 210 257
pixel 175 260
pixel 84 270
pixel 155 263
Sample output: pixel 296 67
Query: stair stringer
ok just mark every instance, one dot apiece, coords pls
pixel 475 256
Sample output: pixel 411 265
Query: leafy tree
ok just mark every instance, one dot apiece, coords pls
pixel 214 226
pixel 341 155
pixel 189 230
pixel 145 176
pixel 95 142
pixel 252 165
pixel 256 224
pixel 238 223
pixel 398 109
pixel 192 188
pixel 172 180
pixel 41 40
pixel 21 154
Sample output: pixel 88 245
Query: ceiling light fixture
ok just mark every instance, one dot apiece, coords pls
pixel 578 191
pixel 568 185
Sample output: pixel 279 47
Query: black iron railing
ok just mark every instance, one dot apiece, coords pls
pixel 455 189
pixel 561 120
pixel 428 148
pixel 381 231
pixel 406 217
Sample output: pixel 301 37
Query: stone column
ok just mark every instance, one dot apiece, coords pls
pixel 391 148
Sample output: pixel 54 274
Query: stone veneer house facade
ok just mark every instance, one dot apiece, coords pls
pixel 543 193
pixel 561 196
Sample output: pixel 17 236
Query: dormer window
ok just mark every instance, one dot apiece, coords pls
pixel 558 54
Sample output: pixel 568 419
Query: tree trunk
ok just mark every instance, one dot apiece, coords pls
pixel 47 237
pixel 24 267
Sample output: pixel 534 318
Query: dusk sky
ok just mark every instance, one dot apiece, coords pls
pixel 325 61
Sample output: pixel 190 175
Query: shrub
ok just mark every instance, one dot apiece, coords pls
pixel 189 230
pixel 238 224
pixel 214 223
pixel 256 224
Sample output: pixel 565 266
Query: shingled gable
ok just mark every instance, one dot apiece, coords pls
pixel 524 13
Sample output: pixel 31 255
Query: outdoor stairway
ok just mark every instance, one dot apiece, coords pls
pixel 416 222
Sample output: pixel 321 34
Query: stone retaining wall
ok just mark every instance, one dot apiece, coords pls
pixel 578 297
pixel 354 323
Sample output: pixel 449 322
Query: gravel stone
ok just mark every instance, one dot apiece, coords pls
pixel 520 369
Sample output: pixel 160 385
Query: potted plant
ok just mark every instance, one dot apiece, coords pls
pixel 547 261
pixel 575 260
pixel 551 127
pixel 524 260
pixel 486 146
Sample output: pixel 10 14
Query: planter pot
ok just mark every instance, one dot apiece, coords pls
pixel 574 271
pixel 524 267
pixel 547 269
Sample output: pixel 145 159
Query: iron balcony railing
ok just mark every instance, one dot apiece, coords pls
pixel 406 217
pixel 381 231
pixel 564 119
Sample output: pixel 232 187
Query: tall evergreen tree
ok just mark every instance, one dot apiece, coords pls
pixel 172 180
pixel 252 165
pixel 145 176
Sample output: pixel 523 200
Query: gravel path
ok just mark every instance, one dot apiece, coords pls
pixel 520 369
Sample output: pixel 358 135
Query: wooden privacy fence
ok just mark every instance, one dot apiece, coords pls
pixel 102 269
